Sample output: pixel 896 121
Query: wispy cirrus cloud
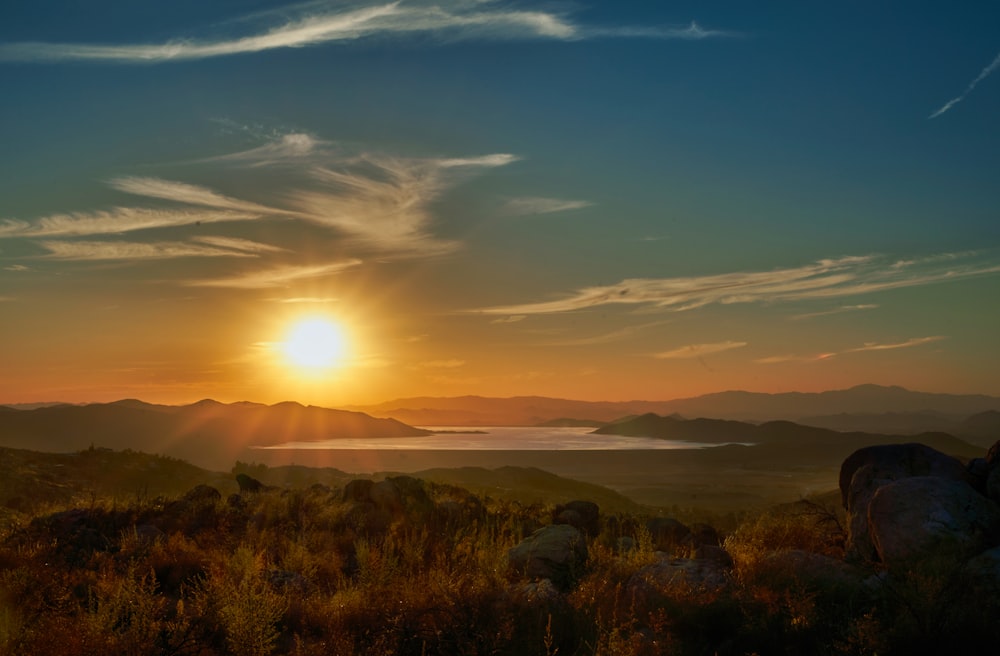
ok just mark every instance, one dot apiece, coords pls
pixel 125 250
pixel 188 194
pixel 840 310
pixel 698 350
pixel 306 299
pixel 534 205
pixel 829 278
pixel 383 202
pixel 440 364
pixel 990 68
pixel 116 221
pixel 239 244
pixel 379 202
pixel 628 332
pixel 514 318
pixel 868 346
pixel 278 276
pixel 314 24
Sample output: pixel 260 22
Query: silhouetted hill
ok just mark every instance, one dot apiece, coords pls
pixel 743 406
pixel 208 433
pixel 982 428
pixel 776 442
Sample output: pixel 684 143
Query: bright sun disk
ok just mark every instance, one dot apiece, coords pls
pixel 314 344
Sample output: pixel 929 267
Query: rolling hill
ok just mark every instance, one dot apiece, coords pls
pixel 207 433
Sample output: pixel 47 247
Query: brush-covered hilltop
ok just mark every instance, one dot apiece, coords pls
pixel 903 559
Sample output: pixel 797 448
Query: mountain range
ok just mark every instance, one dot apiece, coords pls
pixel 861 402
pixel 207 433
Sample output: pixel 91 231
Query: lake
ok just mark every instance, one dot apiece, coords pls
pixel 498 438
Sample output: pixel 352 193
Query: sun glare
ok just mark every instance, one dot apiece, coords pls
pixel 315 344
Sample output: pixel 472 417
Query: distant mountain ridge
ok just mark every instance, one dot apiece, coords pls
pixel 737 405
pixel 207 433
pixel 778 440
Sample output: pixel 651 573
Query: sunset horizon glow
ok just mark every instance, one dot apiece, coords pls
pixel 611 202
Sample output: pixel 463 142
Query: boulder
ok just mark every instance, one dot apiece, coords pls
pixel 666 533
pixel 386 496
pixel 868 469
pixel 993 485
pixel 358 490
pixel 557 552
pixel 985 569
pixel 584 515
pixel 924 517
pixel 811 571
pixel 201 494
pixel 675 575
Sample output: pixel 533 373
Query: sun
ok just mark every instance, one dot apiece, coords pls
pixel 315 344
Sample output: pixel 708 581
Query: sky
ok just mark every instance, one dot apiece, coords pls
pixel 588 200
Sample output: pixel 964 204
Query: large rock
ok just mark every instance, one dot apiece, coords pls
pixel 924 517
pixel 584 515
pixel 666 533
pixel 671 576
pixel 811 571
pixel 557 552
pixel 868 469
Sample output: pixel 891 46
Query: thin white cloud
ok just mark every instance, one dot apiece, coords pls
pixel 17 267
pixel 116 221
pixel 840 310
pixel 627 332
pixel 292 148
pixel 830 278
pixel 440 364
pixel 690 32
pixel 122 250
pixel 514 318
pixel 992 66
pixel 535 205
pixel 383 202
pixel 698 350
pixel 277 276
pixel 239 244
pixel 307 299
pixel 448 20
pixel 189 194
pixel 868 346
pixel 915 341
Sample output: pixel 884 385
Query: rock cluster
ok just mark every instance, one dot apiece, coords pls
pixel 908 503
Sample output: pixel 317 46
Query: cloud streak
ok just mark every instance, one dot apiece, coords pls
pixel 534 205
pixel 383 202
pixel 992 66
pixel 448 20
pixel 124 250
pixel 116 221
pixel 829 278
pixel 188 194
pixel 280 276
pixel 868 346
pixel 840 310
pixel 692 351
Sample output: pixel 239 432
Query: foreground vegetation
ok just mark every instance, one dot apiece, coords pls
pixel 313 570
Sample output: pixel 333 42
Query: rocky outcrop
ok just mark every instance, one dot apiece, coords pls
pixel 557 552
pixel 915 517
pixel 868 469
pixel 909 503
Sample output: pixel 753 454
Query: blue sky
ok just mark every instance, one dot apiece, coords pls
pixel 590 200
